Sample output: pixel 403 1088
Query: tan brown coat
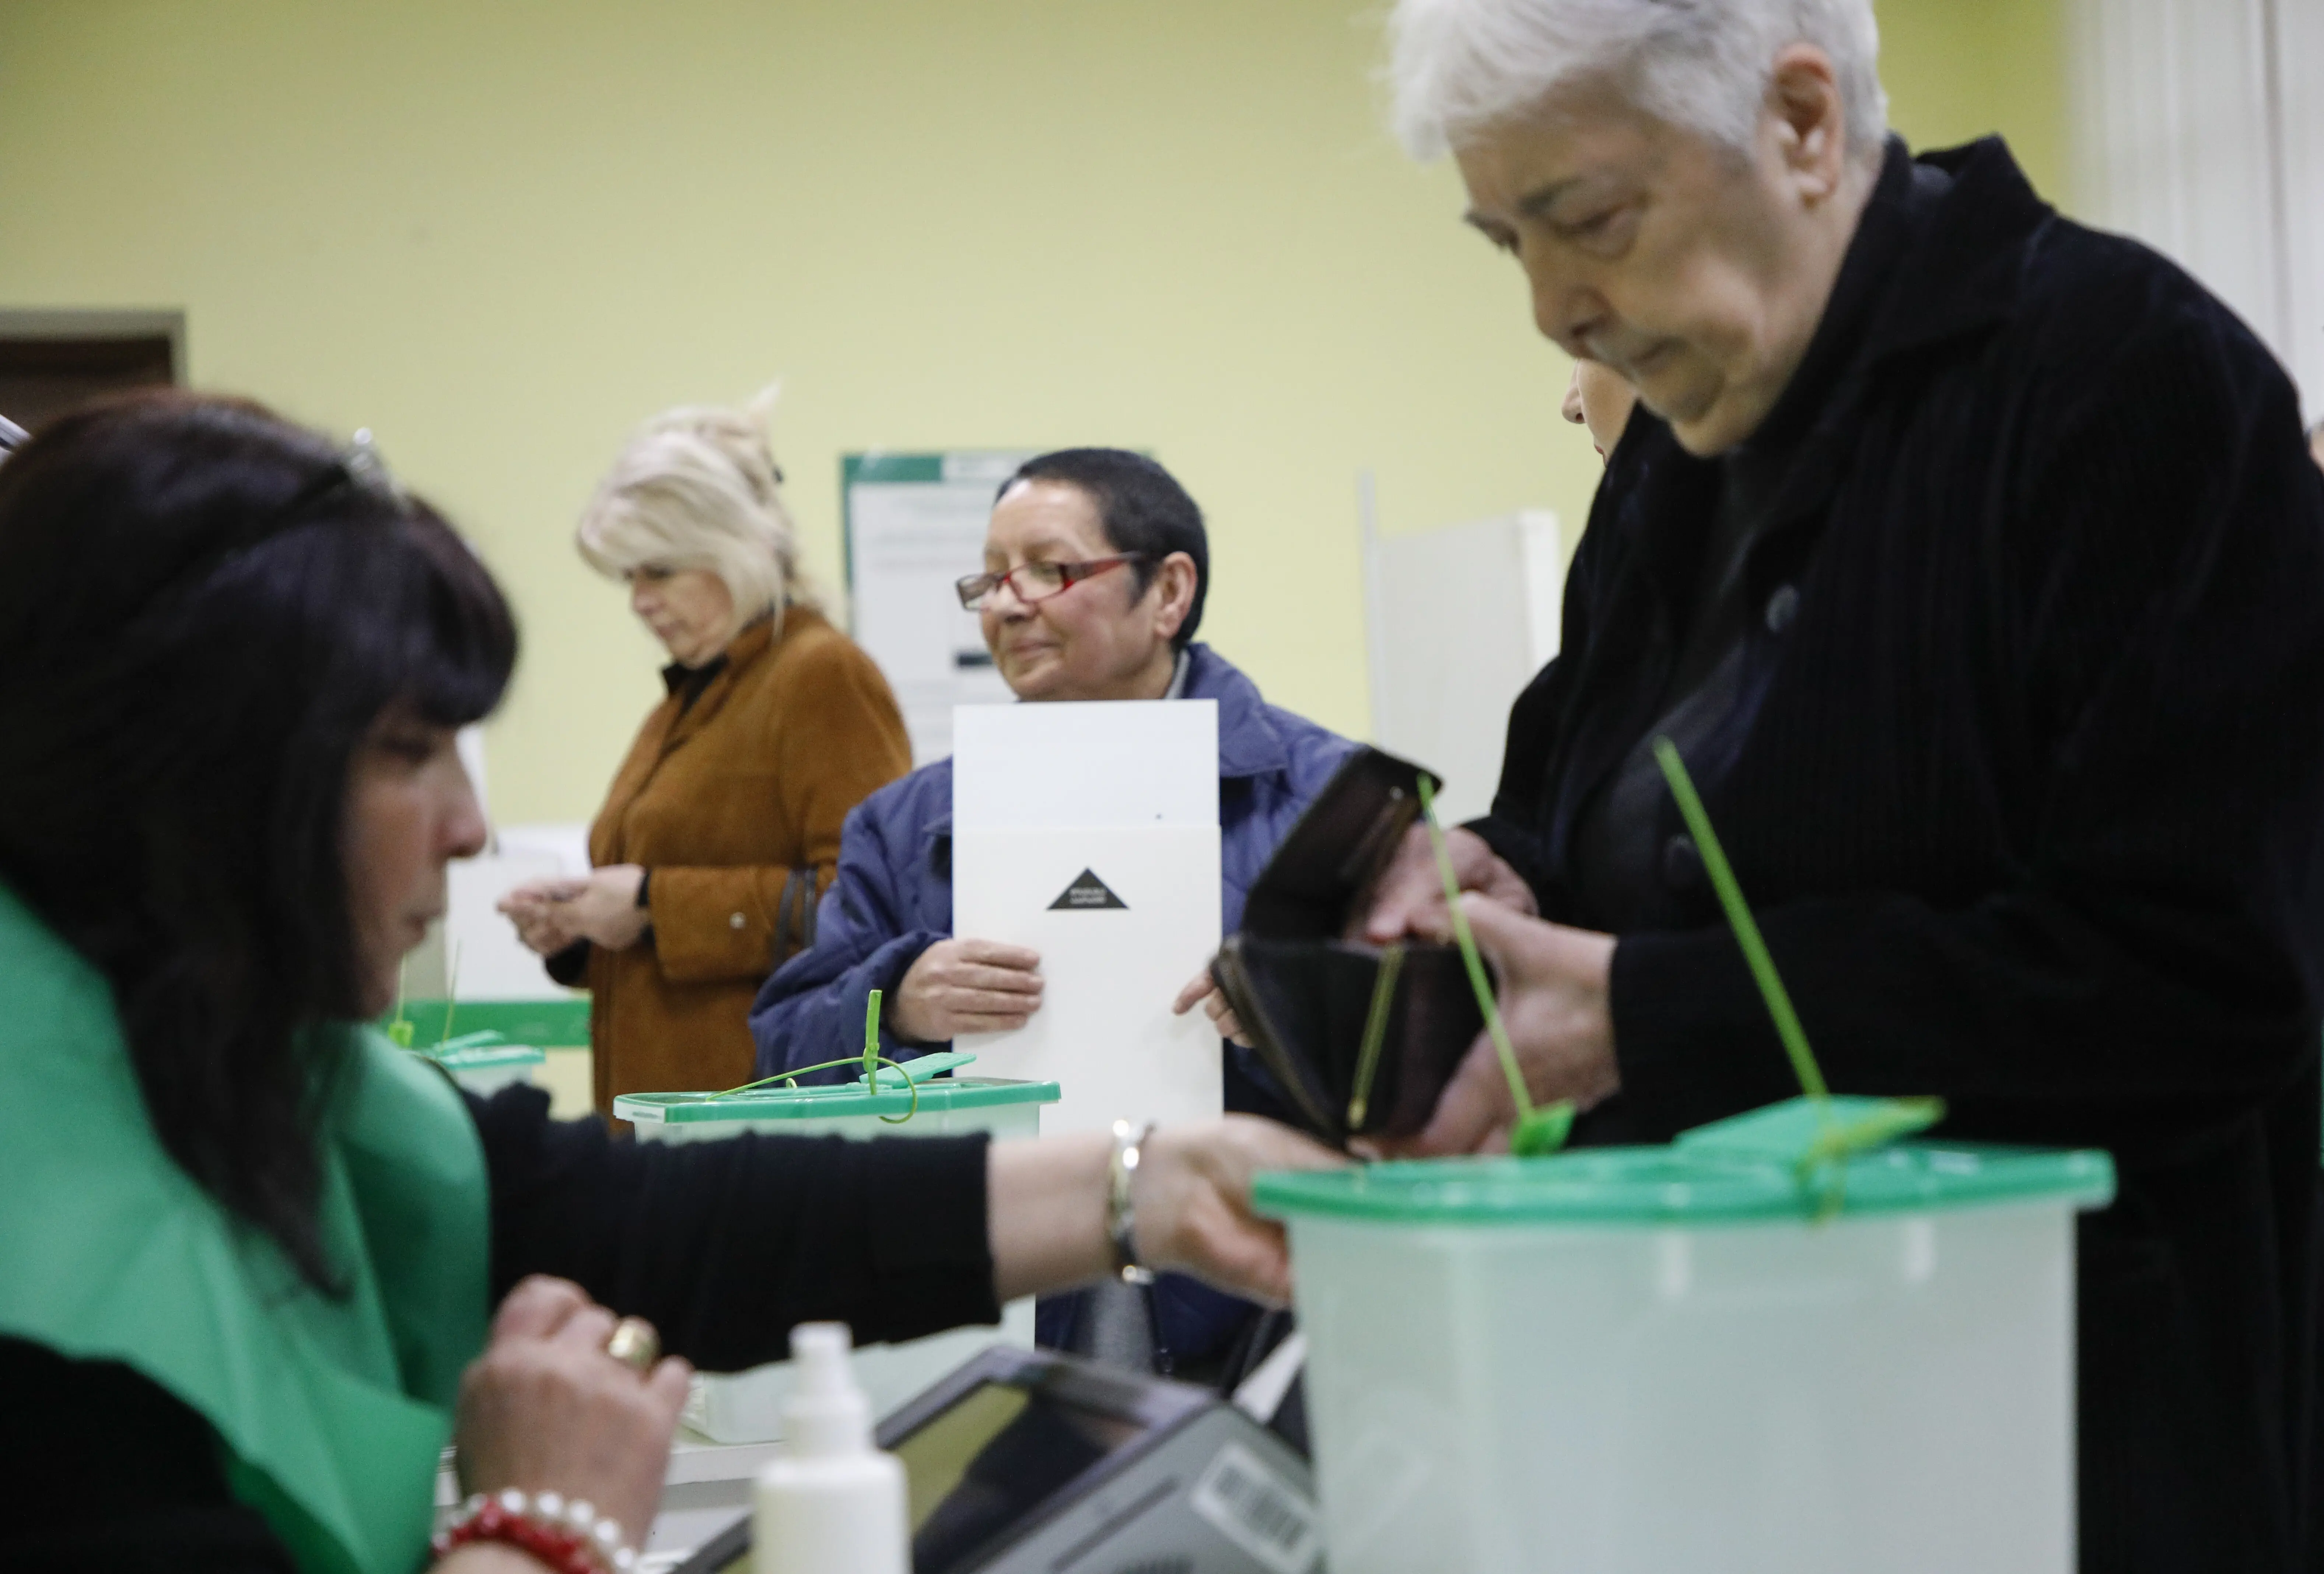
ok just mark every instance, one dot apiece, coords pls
pixel 722 802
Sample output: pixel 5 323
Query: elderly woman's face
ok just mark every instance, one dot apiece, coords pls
pixel 690 610
pixel 1098 639
pixel 1694 274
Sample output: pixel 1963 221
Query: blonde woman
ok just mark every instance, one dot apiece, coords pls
pixel 722 826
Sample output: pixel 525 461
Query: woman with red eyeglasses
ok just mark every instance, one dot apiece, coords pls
pixel 1096 565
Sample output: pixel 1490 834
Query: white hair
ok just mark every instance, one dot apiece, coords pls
pixel 1456 67
pixel 697 488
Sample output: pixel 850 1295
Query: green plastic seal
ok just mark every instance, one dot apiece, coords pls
pixel 1628 1187
pixel 890 1101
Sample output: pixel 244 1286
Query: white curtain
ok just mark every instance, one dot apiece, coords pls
pixel 2199 127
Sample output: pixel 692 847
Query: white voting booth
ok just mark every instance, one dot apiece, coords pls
pixel 1459 618
pixel 1089 833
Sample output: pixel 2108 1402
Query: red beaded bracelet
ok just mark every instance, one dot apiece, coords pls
pixel 570 1538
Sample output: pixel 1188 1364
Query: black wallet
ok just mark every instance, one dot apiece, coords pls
pixel 1306 988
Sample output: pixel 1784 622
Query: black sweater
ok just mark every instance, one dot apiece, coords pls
pixel 2024 777
pixel 722 1246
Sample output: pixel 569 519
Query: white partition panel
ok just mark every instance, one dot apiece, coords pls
pixel 1461 619
pixel 2199 127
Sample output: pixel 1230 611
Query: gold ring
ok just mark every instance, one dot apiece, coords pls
pixel 635 1344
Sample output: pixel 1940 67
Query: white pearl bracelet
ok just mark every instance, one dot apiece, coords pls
pixel 601 1535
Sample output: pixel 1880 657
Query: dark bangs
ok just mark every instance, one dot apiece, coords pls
pixel 412 615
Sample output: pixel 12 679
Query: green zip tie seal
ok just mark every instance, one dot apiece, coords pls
pixel 400 1031
pixel 1537 1131
pixel 1391 962
pixel 1821 1164
pixel 871 1060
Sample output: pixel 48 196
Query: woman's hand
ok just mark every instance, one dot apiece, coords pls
pixel 1410 897
pixel 1193 1203
pixel 545 1409
pixel 600 908
pixel 540 918
pixel 1047 1207
pixel 1203 991
pixel 965 986
pixel 1554 1002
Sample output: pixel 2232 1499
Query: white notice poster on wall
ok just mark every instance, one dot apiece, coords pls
pixel 915 527
pixel 1089 833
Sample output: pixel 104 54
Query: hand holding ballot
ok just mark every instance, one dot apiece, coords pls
pixel 966 986
pixel 1204 991
pixel 983 986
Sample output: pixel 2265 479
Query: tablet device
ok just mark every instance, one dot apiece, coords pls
pixel 1028 1460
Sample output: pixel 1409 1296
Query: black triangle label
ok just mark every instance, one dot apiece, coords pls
pixel 1087 891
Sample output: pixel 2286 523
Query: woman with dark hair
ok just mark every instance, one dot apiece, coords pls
pixel 250 1248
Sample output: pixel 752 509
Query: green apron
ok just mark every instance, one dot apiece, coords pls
pixel 331 1412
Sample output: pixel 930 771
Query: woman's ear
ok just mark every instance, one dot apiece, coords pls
pixel 1174 594
pixel 1811 120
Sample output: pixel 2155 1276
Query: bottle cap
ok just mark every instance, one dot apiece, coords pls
pixel 826 1414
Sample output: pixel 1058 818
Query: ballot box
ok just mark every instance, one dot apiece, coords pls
pixel 1640 1360
pixel 744 1407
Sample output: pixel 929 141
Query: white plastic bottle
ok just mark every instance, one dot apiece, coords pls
pixel 829 1503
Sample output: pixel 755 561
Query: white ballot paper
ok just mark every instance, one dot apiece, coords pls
pixel 1089 833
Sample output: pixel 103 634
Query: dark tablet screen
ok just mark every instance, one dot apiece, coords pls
pixel 991 1458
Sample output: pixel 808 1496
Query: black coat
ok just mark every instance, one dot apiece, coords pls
pixel 2025 783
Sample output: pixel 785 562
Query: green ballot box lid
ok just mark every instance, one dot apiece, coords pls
pixel 561 1024
pixel 891 1101
pixel 1736 1172
pixel 484 1050
pixel 484 1059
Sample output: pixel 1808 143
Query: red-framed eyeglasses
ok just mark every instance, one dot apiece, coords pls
pixel 1036 582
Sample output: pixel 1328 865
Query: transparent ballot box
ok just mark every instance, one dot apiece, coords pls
pixel 1642 1360
pixel 744 1407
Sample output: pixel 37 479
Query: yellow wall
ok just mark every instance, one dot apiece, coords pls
pixel 501 232
pixel 1962 68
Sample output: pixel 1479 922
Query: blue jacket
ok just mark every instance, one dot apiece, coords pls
pixel 892 900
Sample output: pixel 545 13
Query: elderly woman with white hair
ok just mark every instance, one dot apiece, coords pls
pixel 721 827
pixel 1974 563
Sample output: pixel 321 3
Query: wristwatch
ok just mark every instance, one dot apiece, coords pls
pixel 1122 1202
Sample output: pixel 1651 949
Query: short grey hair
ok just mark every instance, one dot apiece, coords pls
pixel 1457 67
pixel 698 488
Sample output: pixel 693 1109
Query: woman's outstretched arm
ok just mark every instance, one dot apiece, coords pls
pixel 1048 1220
pixel 723 1246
